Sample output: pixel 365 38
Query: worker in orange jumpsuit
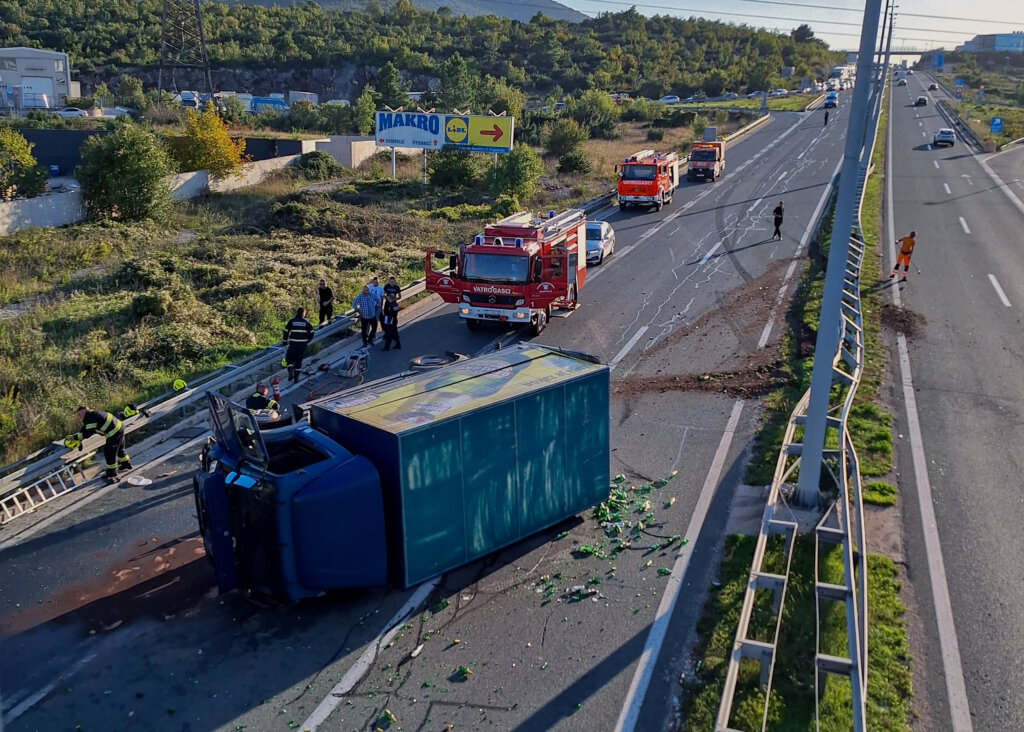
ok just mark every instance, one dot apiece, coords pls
pixel 906 249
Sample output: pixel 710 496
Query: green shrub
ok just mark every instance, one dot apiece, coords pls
pixel 575 161
pixel 254 310
pixel 32 182
pixel 142 273
pixel 452 169
pixel 505 205
pixel 517 173
pixel 124 174
pixel 151 302
pixel 318 166
pixel 656 134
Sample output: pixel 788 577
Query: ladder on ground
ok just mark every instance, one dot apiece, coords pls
pixel 42 491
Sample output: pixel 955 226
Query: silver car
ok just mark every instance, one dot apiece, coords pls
pixel 600 241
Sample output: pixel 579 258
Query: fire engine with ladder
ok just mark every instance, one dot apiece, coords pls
pixel 648 178
pixel 522 270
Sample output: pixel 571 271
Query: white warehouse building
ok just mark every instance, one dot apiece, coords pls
pixel 31 78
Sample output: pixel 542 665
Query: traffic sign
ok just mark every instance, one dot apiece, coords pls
pixel 996 125
pixel 959 96
pixel 482 134
pixel 960 83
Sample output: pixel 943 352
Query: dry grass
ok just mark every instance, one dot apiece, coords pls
pixel 606 154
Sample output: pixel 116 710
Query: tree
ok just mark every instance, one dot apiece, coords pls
pixel 596 111
pixel 802 33
pixel 124 175
pixel 232 109
pixel 366 109
pixel 102 94
pixel 129 92
pixel 563 136
pixel 517 173
pixel 457 88
pixel 207 144
pixel 497 95
pixel 18 172
pixel 393 91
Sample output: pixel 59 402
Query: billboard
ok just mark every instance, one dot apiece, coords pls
pixel 428 131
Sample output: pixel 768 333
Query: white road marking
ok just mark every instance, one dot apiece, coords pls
pixel 711 252
pixel 950 650
pixel 936 162
pixel 35 698
pixel 951 666
pixel 964 225
pixel 767 331
pixel 999 182
pixel 999 290
pixel 946 186
pixel 363 663
pixel 642 676
pixel 626 348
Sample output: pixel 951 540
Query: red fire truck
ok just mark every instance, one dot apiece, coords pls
pixel 519 271
pixel 647 178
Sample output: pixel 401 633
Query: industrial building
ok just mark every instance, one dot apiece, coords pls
pixel 32 78
pixel 999 42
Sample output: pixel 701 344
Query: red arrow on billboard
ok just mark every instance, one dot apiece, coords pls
pixel 495 133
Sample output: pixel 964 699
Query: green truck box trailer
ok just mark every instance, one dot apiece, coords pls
pixel 480 454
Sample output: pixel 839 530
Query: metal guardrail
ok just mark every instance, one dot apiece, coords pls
pixel 842 523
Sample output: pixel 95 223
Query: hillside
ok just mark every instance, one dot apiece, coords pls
pixel 612 52
pixel 500 8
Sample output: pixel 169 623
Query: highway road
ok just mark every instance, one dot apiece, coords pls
pixel 110 620
pixel 963 345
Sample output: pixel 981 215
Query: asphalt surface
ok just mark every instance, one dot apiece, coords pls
pixel 963 326
pixel 109 615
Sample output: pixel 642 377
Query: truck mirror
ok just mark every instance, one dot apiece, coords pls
pixel 536 270
pixel 453 262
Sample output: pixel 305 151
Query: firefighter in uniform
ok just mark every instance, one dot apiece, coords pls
pixel 261 399
pixel 95 422
pixel 298 332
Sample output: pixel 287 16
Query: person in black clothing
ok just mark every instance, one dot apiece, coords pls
pixel 297 334
pixel 392 288
pixel 326 295
pixel 95 422
pixel 389 317
pixel 260 399
pixel 826 116
pixel 778 213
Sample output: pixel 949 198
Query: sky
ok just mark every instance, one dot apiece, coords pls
pixel 920 24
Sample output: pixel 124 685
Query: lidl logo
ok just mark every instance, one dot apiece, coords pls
pixel 456 130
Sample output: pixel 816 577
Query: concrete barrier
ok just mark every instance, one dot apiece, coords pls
pixel 51 209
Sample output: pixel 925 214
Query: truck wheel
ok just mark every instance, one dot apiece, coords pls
pixel 572 288
pixel 538 325
pixel 659 204
pixel 472 323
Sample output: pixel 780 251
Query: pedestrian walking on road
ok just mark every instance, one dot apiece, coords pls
pixel 907 244
pixel 326 297
pixel 94 422
pixel 389 319
pixel 298 332
pixel 368 306
pixel 779 212
pixel 826 117
pixel 261 399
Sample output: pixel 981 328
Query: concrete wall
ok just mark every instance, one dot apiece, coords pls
pixel 61 209
pixel 353 151
pixel 53 209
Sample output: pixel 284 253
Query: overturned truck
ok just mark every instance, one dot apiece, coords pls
pixel 403 479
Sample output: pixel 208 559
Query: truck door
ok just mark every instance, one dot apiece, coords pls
pixel 442 271
pixel 554 279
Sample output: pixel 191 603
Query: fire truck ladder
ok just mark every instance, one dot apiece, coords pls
pixel 45 489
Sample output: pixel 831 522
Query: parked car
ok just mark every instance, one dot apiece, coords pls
pixel 778 93
pixel 921 102
pixel 600 241
pixel 670 99
pixel 945 136
pixel 754 94
pixel 933 87
pixel 71 112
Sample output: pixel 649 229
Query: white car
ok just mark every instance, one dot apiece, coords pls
pixel 71 112
pixel 600 241
pixel 670 99
pixel 945 136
